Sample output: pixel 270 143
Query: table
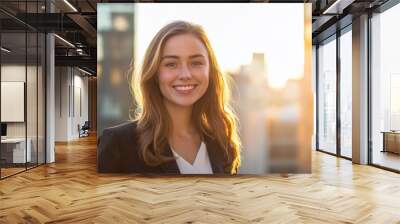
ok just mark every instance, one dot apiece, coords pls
pixel 13 150
pixel 391 141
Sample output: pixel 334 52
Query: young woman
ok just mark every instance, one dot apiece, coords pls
pixel 183 124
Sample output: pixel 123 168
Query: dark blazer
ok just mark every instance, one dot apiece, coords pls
pixel 118 153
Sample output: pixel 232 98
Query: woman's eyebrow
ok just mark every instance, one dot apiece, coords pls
pixel 177 57
pixel 196 56
pixel 169 56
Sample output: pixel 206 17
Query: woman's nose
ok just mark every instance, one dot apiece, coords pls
pixel 185 73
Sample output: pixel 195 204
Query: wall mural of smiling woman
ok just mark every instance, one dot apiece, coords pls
pixel 209 93
pixel 183 122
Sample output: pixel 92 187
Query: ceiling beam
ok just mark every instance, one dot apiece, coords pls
pixel 83 61
pixel 337 6
pixel 84 24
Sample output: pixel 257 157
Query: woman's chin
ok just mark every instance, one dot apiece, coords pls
pixel 182 103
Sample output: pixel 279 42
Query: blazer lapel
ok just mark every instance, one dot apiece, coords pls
pixel 215 155
pixel 170 167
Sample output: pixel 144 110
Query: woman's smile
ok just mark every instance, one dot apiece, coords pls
pixel 185 89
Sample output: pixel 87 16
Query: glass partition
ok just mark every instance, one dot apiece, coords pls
pixel 22 89
pixel 41 91
pixel 385 89
pixel 327 96
pixel 13 110
pixel 346 93
pixel 31 99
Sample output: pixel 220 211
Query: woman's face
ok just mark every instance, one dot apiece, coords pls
pixel 184 70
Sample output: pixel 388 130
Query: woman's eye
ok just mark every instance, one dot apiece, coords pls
pixel 170 65
pixel 197 63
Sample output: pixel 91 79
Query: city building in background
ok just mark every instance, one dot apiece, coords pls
pixel 115 42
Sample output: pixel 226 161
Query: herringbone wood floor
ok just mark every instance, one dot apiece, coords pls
pixel 70 191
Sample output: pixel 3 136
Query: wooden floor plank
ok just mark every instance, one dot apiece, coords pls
pixel 70 191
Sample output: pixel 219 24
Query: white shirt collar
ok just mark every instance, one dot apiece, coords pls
pixel 201 164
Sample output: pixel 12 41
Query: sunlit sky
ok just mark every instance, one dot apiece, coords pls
pixel 236 31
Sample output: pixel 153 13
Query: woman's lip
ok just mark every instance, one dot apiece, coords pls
pixel 184 88
pixel 185 85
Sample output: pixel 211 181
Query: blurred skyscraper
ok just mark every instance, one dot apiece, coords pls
pixel 115 52
pixel 250 89
pixel 268 119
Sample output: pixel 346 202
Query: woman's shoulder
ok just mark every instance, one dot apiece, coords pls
pixel 128 128
pixel 117 148
pixel 124 135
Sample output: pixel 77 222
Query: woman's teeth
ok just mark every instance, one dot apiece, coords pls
pixel 185 87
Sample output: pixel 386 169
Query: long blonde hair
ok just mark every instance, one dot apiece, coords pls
pixel 212 114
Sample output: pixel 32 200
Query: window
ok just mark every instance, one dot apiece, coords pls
pixel 385 88
pixel 327 96
pixel 346 93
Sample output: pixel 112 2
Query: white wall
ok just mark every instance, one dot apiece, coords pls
pixel 61 103
pixel 71 87
pixel 12 100
pixel 12 73
pixel 33 126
